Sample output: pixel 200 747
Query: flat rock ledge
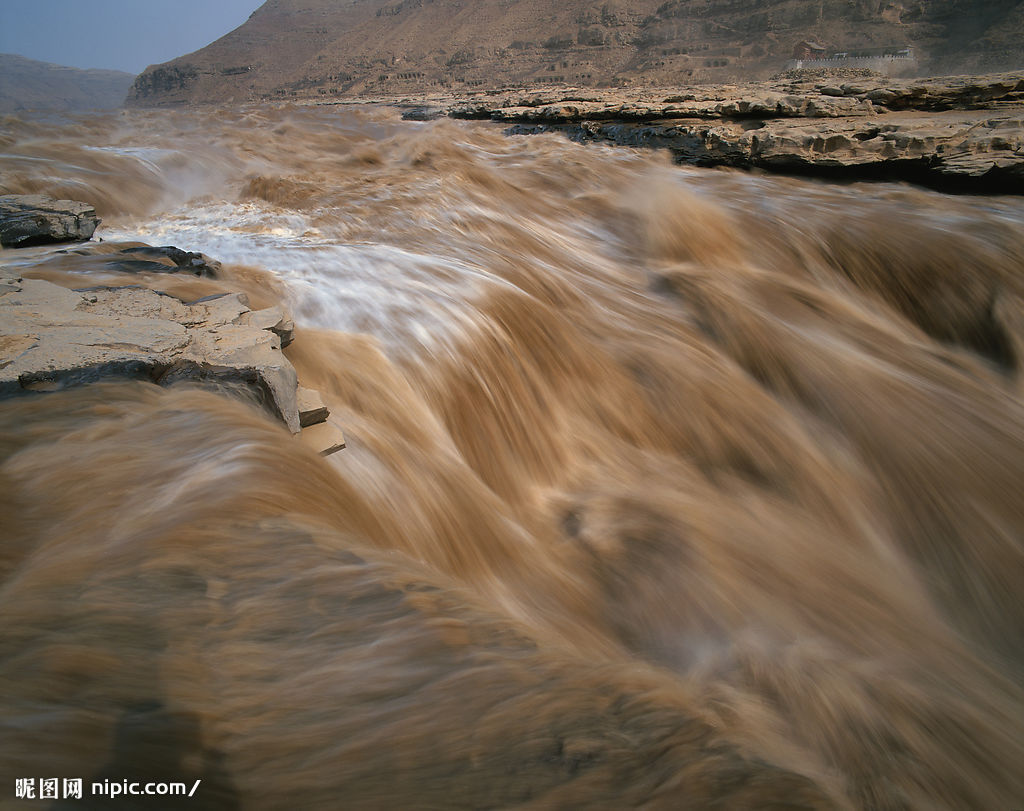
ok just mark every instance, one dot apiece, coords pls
pixel 958 133
pixel 36 219
pixel 52 337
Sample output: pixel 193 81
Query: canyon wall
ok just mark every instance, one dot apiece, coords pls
pixel 323 49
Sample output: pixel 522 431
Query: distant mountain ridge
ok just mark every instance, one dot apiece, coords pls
pixel 26 84
pixel 303 48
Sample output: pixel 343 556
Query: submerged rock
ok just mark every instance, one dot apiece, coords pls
pixel 129 257
pixel 37 219
pixel 325 437
pixel 166 259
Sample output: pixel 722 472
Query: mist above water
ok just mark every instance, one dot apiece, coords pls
pixel 663 486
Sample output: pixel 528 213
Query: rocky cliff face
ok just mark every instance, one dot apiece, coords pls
pixel 326 48
pixel 26 84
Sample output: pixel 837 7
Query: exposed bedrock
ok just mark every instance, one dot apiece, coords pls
pixel 957 133
pixel 52 337
pixel 984 156
pixel 36 219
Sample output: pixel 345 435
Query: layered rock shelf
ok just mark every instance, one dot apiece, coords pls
pixel 36 219
pixel 52 337
pixel 955 133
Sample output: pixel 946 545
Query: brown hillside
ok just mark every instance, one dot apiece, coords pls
pixel 301 48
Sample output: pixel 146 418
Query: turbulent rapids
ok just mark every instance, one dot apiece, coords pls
pixel 664 487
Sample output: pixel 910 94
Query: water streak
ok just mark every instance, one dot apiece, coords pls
pixel 664 487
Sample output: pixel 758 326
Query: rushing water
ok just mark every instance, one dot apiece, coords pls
pixel 663 488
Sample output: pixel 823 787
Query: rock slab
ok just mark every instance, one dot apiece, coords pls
pixel 52 337
pixel 312 410
pixel 37 219
pixel 325 437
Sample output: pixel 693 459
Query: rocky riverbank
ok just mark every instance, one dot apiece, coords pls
pixel 53 337
pixel 954 133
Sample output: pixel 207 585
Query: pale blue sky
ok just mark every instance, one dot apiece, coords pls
pixel 117 34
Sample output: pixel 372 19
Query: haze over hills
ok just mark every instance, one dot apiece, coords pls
pixel 26 84
pixel 301 48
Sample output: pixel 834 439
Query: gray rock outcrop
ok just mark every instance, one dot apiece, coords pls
pixel 51 337
pixel 37 219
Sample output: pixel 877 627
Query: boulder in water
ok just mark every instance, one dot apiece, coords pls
pixel 165 259
pixel 36 219
pixel 312 410
pixel 130 257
